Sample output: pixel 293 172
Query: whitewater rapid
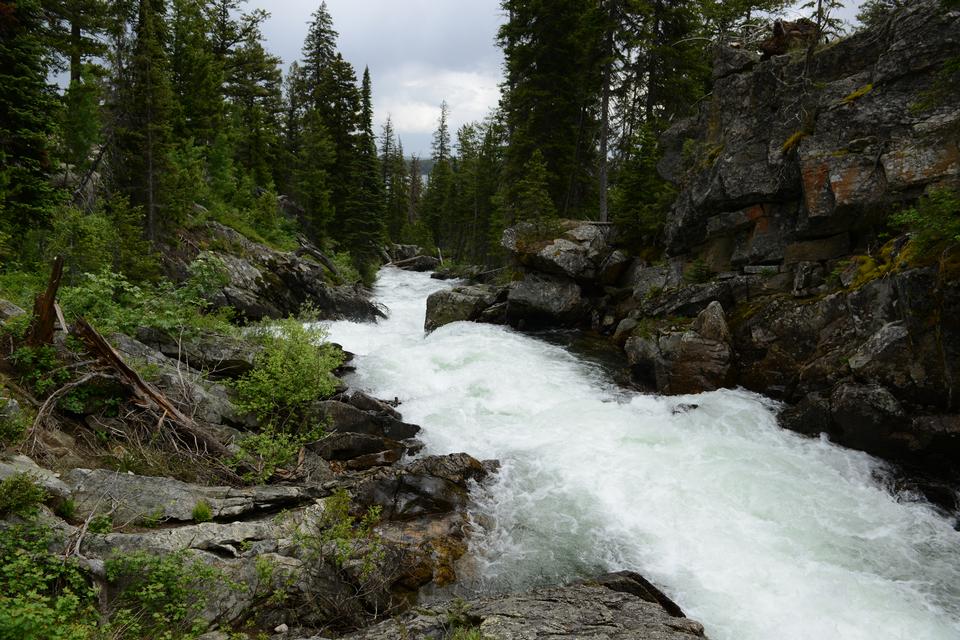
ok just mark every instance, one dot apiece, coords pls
pixel 757 532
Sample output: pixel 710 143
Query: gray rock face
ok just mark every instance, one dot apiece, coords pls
pixel 798 188
pixel 264 283
pixel 605 609
pixel 540 300
pixel 582 252
pixel 50 481
pixel 458 304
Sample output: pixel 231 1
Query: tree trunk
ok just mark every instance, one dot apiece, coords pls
pixel 44 309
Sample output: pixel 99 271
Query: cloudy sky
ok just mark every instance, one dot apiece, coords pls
pixel 420 52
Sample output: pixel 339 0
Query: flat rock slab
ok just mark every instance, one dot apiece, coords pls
pixel 144 498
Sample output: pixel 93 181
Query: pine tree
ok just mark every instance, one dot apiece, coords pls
pixel 75 30
pixel 27 111
pixel 319 53
pixel 144 114
pixel 197 75
pixel 363 218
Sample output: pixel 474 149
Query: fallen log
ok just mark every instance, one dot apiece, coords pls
pixel 146 394
pixel 310 250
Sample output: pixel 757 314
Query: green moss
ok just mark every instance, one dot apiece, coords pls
pixel 793 141
pixel 856 95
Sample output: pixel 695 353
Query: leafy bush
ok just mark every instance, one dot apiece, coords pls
pixel 102 524
pixel 160 597
pixel 344 264
pixel 293 370
pixel 13 424
pixel 113 303
pixel 269 450
pixel 348 536
pixel 42 596
pixel 20 496
pixel 935 218
pixel 39 368
pixel 698 272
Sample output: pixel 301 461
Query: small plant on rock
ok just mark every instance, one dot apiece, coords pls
pixel 20 496
pixel 202 512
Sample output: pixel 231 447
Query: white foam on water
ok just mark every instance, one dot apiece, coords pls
pixel 757 532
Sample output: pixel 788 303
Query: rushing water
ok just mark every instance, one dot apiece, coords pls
pixel 755 531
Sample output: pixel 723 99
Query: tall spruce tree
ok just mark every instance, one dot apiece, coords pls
pixel 145 107
pixel 27 111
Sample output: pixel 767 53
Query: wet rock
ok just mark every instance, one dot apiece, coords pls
pixel 458 304
pixel 606 609
pixel 418 263
pixel 366 402
pixel 680 362
pixel 399 252
pixel 540 300
pixel 368 451
pixel 143 498
pixel 866 416
pixel 346 418
pixel 434 485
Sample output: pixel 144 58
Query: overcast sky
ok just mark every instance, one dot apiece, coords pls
pixel 420 52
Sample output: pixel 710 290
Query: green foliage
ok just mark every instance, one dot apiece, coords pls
pixel 202 512
pixel 42 596
pixel 13 425
pixel 467 633
pixel 341 536
pixel 344 263
pixel 113 303
pixel 271 449
pixel 935 218
pixel 159 597
pixel 793 142
pixel 640 198
pixel 102 524
pixel 19 495
pixel 293 369
pixel 39 368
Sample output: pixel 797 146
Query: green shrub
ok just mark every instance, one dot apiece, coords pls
pixel 202 512
pixel 42 596
pixel 19 495
pixel 293 370
pixel 113 303
pixel 935 218
pixel 39 368
pixel 159 597
pixel 344 264
pixel 102 524
pixel 13 425
pixel 265 452
pixel 349 537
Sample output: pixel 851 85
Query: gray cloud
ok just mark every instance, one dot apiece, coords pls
pixel 420 52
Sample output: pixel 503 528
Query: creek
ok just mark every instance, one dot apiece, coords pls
pixel 755 531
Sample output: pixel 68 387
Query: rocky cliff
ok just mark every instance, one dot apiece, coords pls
pixel 780 272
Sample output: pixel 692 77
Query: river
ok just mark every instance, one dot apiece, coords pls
pixel 757 532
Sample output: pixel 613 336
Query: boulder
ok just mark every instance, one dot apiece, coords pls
pixel 458 304
pixel 366 402
pixel 610 607
pixel 418 263
pixel 48 480
pixel 346 418
pixel 400 252
pixel 541 300
pixel 866 416
pixel 681 362
pixel 434 485
pixel 9 310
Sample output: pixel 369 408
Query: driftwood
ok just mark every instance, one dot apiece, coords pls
pixel 310 250
pixel 146 394
pixel 45 309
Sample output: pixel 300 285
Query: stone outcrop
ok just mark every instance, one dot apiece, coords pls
pixel 617 606
pixel 458 304
pixel 266 283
